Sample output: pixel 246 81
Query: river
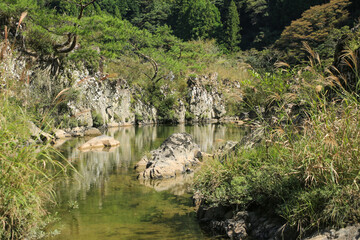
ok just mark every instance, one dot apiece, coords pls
pixel 104 200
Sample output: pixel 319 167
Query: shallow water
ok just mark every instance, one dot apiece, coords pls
pixel 106 201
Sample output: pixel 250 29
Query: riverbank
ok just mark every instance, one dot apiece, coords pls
pixel 304 170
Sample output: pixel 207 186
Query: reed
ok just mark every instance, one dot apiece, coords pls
pixel 27 169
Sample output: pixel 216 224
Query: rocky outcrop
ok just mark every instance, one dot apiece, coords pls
pixel 113 103
pixel 177 155
pixel 244 224
pixel 145 113
pixel 205 101
pixel 94 99
pixel 76 132
pixel 107 102
pixel 99 142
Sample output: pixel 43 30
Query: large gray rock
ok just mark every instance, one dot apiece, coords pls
pixel 348 233
pixel 145 113
pixel 177 155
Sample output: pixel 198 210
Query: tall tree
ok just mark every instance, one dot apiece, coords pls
pixel 232 27
pixel 196 19
pixel 314 26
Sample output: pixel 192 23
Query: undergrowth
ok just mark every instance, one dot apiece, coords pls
pixel 27 168
pixel 307 174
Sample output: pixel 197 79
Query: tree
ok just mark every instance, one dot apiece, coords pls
pixel 196 19
pixel 314 26
pixel 71 36
pixel 232 27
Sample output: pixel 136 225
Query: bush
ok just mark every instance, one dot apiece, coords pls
pixel 98 121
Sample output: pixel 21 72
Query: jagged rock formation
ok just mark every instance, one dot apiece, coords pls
pixel 114 102
pixel 205 101
pixel 94 100
pixel 177 155
pixel 348 233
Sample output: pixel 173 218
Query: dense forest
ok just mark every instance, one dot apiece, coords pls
pixel 235 25
pixel 281 54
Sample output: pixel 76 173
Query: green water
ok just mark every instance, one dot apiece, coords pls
pixel 106 201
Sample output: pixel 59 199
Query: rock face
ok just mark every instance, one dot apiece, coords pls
pixel 99 142
pixel 241 225
pixel 144 113
pixel 177 155
pixel 205 101
pixel 107 102
pixel 94 100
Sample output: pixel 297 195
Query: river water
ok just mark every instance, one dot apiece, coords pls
pixel 104 200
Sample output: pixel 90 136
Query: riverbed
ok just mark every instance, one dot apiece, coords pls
pixel 104 200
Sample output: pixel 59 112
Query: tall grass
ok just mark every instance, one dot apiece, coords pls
pixel 26 168
pixel 308 175
pixel 26 181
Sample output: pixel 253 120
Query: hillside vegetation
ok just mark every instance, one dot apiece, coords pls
pixel 279 52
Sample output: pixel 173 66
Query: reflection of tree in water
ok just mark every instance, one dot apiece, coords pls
pixel 152 214
pixel 144 138
pixel 95 168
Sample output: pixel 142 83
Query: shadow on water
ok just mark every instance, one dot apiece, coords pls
pixel 106 201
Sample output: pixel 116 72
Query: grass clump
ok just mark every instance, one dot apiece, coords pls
pixel 26 167
pixel 309 179
pixel 25 183
pixel 307 174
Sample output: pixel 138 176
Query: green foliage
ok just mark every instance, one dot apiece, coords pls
pixel 232 28
pixel 308 176
pixel 98 121
pixel 311 180
pixel 314 26
pixel 25 183
pixel 197 19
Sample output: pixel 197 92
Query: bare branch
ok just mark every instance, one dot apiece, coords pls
pixel 70 48
pixel 152 62
pixel 72 38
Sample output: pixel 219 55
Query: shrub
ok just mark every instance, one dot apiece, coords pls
pixel 98 121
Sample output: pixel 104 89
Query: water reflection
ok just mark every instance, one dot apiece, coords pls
pixel 112 202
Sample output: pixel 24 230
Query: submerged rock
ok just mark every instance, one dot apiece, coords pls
pixel 92 132
pixel 99 142
pixel 61 134
pixel 177 155
pixel 177 186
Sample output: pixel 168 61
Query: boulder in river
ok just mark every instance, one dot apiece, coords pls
pixel 92 132
pixel 177 155
pixel 99 142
